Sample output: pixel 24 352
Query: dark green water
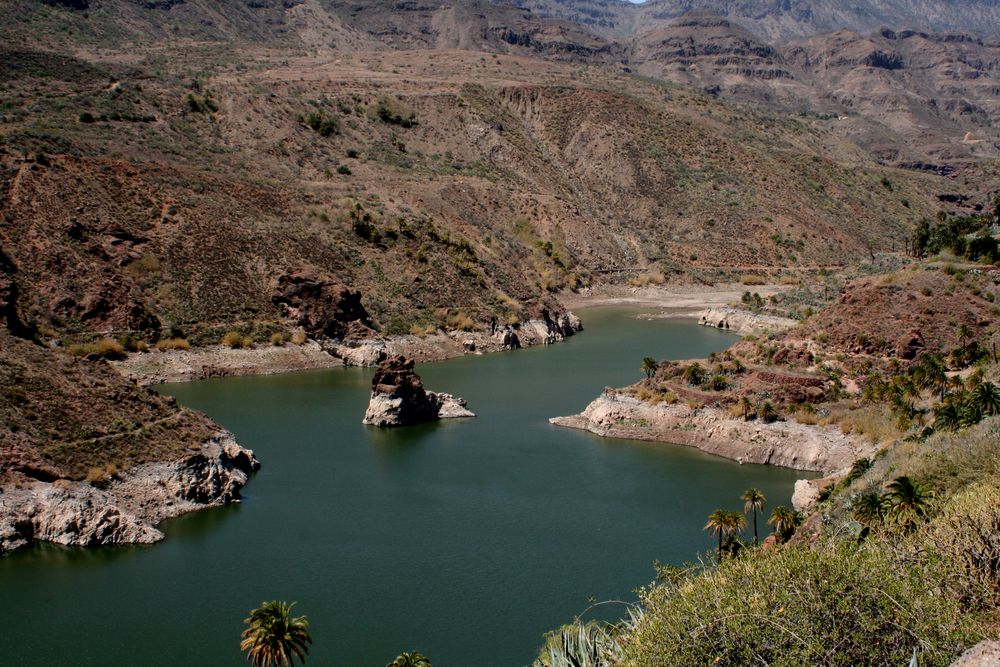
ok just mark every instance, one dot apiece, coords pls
pixel 465 540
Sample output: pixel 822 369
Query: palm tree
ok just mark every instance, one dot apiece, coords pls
pixel 986 397
pixel 947 417
pixel 869 508
pixel 754 501
pixel 725 524
pixel 694 374
pixel 860 467
pixel 784 521
pixel 747 406
pixel 649 366
pixel 964 334
pixel 929 373
pixel 414 659
pixel 767 412
pixel 906 501
pixel 273 638
pixel 718 522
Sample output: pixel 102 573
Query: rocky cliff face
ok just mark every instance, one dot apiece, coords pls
pixel 319 304
pixel 399 398
pixel 127 506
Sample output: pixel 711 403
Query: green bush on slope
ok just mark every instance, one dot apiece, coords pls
pixel 835 603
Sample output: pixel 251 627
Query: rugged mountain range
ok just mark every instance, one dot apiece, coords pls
pixel 909 94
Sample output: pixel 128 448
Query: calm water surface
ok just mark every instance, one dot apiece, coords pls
pixel 465 540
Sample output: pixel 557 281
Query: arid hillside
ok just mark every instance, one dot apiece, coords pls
pixel 175 190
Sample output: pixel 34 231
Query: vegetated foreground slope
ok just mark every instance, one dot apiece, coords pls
pixel 141 198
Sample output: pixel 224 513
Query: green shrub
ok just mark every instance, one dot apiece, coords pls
pixel 829 604
pixel 320 123
pixel 87 117
pixel 394 112
pixel 277 339
pixel 201 103
pixel 344 169
pixel 353 153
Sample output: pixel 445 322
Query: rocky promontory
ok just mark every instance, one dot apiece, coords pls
pixel 712 430
pixel 399 398
pixel 125 507
pixel 742 321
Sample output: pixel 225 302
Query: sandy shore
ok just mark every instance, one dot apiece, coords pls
pixel 156 366
pixel 677 300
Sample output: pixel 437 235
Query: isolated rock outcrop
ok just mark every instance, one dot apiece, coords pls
pixel 322 306
pixel 128 506
pixel 399 398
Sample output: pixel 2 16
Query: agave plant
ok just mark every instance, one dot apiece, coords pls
pixel 590 644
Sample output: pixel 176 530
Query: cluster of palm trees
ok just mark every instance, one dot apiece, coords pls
pixel 274 638
pixel 728 524
pixel 962 403
pixel 764 411
pixel 904 503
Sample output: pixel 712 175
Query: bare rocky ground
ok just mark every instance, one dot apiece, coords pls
pixel 713 430
pixel 126 507
pixel 159 366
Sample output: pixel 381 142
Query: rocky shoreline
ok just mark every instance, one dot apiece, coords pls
pixel 743 322
pixel 370 349
pixel 787 444
pixel 127 507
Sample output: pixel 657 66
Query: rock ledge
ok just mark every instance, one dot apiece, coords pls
pixel 126 508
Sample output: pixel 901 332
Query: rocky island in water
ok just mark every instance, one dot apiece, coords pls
pixel 399 398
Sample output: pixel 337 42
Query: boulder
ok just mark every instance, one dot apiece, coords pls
pixel 984 654
pixel 399 398
pixel 320 305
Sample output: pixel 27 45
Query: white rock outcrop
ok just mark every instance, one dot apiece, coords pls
pixel 712 430
pixel 129 506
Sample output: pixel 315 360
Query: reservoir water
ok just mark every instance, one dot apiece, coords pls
pixel 465 540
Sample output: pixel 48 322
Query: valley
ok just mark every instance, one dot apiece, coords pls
pixel 192 189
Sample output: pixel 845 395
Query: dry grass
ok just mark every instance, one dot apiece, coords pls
pixel 299 337
pixel 460 321
pixel 644 279
pixel 655 397
pixel 236 340
pixel 173 344
pixel 106 348
pixel 422 330
pixel 872 421
pixel 752 279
